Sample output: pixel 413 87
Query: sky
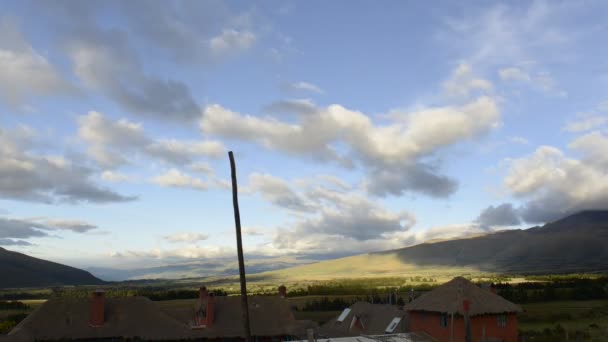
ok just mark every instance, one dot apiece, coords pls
pixel 356 126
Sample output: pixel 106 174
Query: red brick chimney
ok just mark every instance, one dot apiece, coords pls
pixel 282 291
pixel 98 304
pixel 205 314
pixel 210 310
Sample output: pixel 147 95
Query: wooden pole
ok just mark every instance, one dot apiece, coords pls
pixel 239 246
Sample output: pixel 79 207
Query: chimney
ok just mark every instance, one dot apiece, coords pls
pixel 282 291
pixel 205 312
pixel 97 317
pixel 210 310
pixel 203 293
pixel 493 288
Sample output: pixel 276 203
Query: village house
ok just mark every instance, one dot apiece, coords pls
pixel 442 313
pixel 363 318
pixel 138 318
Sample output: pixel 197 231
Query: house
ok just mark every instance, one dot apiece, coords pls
pixel 219 317
pixel 98 318
pixel 138 318
pixel 442 313
pixel 363 318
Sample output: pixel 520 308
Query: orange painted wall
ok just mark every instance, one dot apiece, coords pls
pixel 430 324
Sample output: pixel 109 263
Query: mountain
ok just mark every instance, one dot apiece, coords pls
pixel 20 270
pixel 220 267
pixel 577 243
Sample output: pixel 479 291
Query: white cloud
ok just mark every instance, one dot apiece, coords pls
pixel 278 192
pixel 542 81
pixel 303 87
pixel 12 228
pixel 554 186
pixel 186 237
pixel 182 152
pixel 389 148
pixel 231 41
pixel 114 143
pixel 501 215
pixel 463 82
pixel 514 74
pixel 105 62
pixel 592 146
pixel 24 72
pixel 585 123
pixel 175 178
pixel 112 176
pixel 29 176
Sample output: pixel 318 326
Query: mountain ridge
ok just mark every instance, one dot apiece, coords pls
pixel 20 270
pixel 575 243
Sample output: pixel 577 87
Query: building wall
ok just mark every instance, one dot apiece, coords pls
pixel 430 324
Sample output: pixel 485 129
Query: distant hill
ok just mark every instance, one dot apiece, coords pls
pixel 577 243
pixel 20 270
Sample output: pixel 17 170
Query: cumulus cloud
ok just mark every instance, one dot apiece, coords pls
pixel 113 143
pixel 393 148
pixel 592 147
pixel 38 227
pixel 109 60
pixel 501 215
pixel 12 242
pixel 302 87
pixel 105 64
pixel 112 176
pixel 183 152
pixel 278 192
pixel 463 82
pixel 176 179
pixel 25 175
pixel 543 80
pixel 342 219
pixel 231 41
pixel 24 72
pixel 291 106
pixel 186 237
pixel 554 185
pixel 71 225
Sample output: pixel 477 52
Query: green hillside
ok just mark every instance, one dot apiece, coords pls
pixel 20 270
pixel 577 243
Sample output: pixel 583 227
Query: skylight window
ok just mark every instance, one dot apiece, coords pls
pixel 393 325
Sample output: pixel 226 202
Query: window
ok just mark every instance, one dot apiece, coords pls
pixel 443 321
pixel 502 320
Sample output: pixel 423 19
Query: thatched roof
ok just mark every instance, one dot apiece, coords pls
pixel 68 318
pixel 269 316
pixel 448 298
pixel 138 317
pixel 375 319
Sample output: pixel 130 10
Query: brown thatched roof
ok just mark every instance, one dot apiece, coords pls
pixel 448 298
pixel 68 318
pixel 138 317
pixel 269 316
pixel 375 318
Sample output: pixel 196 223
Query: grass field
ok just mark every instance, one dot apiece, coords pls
pixel 590 317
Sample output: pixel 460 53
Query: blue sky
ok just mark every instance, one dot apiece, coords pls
pixel 356 127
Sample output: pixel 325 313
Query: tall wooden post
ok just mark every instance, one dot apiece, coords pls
pixel 239 246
